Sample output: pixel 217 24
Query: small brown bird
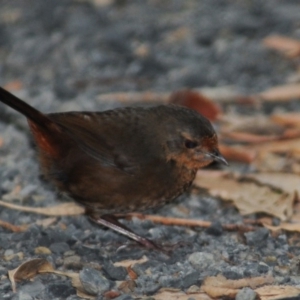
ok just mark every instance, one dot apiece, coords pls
pixel 122 160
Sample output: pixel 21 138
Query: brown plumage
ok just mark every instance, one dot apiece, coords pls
pixel 122 160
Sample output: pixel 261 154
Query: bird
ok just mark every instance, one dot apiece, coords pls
pixel 124 160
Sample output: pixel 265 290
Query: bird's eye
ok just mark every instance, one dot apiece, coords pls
pixel 190 144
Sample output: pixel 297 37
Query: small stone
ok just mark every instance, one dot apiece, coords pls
pixel 257 238
pixel 215 229
pixel 114 273
pixel 23 296
pixel 193 289
pixel 10 255
pixel 33 288
pixel 201 260
pixel 93 281
pixel 124 297
pixel 73 262
pixel 59 289
pixel 59 248
pixel 8 252
pixel 42 250
pixel 190 279
pixel 262 267
pixel 69 253
pixel 246 294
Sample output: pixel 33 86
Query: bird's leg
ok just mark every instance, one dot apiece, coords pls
pixel 113 223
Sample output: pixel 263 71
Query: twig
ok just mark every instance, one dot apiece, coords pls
pixel 189 222
pixel 12 227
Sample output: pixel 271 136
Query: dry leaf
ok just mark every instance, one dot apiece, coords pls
pixel 46 222
pixel 237 153
pixel 169 221
pixel 132 97
pixel 281 93
pixel 15 85
pixel 257 129
pixel 130 263
pixel 131 273
pixel 76 283
pixel 179 295
pixel 248 197
pixel 295 227
pixel 65 209
pixel 286 182
pixel 226 94
pixel 284 146
pixel 13 228
pixel 278 292
pixel 219 286
pixel 28 270
pixel 127 286
pixel 196 101
pixel 36 266
pixel 286 119
pixel 287 46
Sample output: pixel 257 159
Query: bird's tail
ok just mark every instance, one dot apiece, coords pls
pixel 28 111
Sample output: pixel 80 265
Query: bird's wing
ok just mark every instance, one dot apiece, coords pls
pixel 105 136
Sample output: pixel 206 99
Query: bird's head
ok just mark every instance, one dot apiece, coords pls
pixel 191 140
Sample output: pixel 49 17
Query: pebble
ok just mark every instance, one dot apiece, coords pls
pixel 72 262
pixel 124 297
pixel 42 250
pixel 93 281
pixel 258 237
pixel 201 260
pixel 246 294
pixel 59 248
pixel 114 273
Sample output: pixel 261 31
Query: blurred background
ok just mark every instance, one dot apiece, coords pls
pixel 74 50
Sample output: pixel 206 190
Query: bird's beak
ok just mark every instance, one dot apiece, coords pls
pixel 217 156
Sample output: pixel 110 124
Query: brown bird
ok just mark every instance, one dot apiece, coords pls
pixel 122 160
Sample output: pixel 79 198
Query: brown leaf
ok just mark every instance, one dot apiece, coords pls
pixel 179 295
pixel 281 93
pixel 219 286
pixel 294 227
pixel 226 94
pixel 278 292
pixel 130 263
pixel 15 85
pixel 13 228
pixel 28 270
pixel 255 130
pixel 170 221
pixel 287 46
pixel 283 146
pixel 111 294
pixel 133 97
pixel 286 182
pixel 198 102
pixel 46 222
pixel 76 283
pixel 286 119
pixel 36 266
pixel 237 153
pixel 248 197
pixel 131 273
pixel 127 286
pixel 65 209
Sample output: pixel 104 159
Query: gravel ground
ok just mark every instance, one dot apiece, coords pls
pixel 66 53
